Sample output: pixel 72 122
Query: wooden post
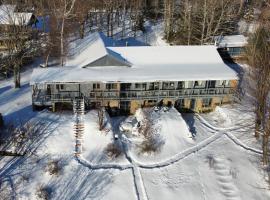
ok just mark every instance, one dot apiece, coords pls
pixel 53 107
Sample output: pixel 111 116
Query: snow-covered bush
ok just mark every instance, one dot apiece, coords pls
pixel 54 167
pixel 113 150
pixel 44 192
pixel 151 144
pixel 149 129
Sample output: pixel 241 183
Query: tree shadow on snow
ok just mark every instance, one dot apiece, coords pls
pixel 84 183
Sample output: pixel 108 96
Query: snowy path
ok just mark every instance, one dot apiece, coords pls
pixel 229 190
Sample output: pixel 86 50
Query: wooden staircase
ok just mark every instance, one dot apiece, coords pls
pixel 79 111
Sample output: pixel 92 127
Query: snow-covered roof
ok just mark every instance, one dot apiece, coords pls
pixel 137 64
pixel 8 16
pixel 230 41
pixel 134 74
pixel 91 49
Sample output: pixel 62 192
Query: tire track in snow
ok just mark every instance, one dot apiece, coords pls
pixel 182 154
pixel 138 181
pixel 207 124
pixel 229 135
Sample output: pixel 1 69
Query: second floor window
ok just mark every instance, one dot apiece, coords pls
pixel 180 85
pixel 111 86
pixel 59 86
pixel 96 86
pixel 140 85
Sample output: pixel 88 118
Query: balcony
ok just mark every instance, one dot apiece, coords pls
pixel 41 98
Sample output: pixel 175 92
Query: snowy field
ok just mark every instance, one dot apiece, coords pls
pixel 221 161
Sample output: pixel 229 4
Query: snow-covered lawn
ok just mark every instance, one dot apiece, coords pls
pixel 222 161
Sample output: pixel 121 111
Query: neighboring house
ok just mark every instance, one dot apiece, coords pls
pixel 126 78
pixel 9 17
pixel 231 46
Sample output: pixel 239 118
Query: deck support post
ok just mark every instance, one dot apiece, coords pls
pixel 53 107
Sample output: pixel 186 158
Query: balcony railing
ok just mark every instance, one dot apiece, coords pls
pixel 68 96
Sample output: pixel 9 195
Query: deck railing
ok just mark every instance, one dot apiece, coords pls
pixel 68 96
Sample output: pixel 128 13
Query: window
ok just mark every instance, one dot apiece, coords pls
pixel 144 85
pixel 59 86
pixel 96 86
pixel 196 83
pixel 151 86
pixel 154 86
pixel 223 83
pixel 137 85
pixel 165 85
pixel 111 86
pixel 211 84
pixel 206 102
pixel 180 85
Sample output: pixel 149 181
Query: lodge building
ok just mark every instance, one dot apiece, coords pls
pixel 126 78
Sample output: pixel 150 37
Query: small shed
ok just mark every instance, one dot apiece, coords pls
pixel 232 46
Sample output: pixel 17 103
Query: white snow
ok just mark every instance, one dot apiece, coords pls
pixel 172 132
pixel 231 41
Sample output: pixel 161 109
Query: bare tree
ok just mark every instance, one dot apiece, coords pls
pixel 101 117
pixel 20 42
pixel 199 21
pixel 62 10
pixel 258 52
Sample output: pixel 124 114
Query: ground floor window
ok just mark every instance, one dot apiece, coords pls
pixel 206 102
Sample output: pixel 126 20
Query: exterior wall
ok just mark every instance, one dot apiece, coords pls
pixel 187 103
pixel 112 103
pixel 134 105
pixel 167 100
pixel 71 90
pixel 198 106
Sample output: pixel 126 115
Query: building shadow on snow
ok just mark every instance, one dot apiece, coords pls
pixel 190 121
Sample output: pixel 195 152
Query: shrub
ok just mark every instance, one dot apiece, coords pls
pixel 44 192
pixel 54 167
pixel 152 144
pixel 113 150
